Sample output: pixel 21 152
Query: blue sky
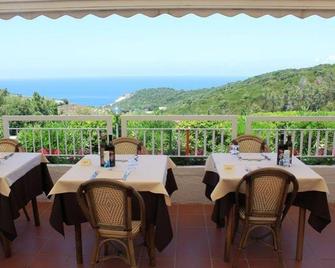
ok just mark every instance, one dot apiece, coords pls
pixel 162 46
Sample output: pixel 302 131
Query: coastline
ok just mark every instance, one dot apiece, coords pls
pixel 106 91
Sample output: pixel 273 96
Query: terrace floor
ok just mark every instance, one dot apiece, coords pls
pixel 197 243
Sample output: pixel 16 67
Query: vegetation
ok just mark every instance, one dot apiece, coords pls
pixel 308 89
pixel 18 105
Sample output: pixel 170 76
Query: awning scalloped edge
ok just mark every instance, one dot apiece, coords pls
pixel 174 13
pixel 54 9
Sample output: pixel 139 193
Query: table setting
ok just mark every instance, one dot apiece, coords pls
pixel 150 175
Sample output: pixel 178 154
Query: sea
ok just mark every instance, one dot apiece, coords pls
pixel 106 90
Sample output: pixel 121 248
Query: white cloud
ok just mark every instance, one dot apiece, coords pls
pixel 328 59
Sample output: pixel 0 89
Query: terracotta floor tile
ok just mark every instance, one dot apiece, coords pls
pixel 219 263
pixel 191 221
pixel 327 263
pixel 22 262
pixel 304 264
pixel 173 209
pixel 191 209
pixel 258 250
pixel 114 263
pixel 161 262
pixel 197 243
pixel 209 222
pixel 208 209
pixel 263 263
pixel 23 245
pixel 216 242
pixel 61 246
pixel 324 250
pixel 49 260
pixel 192 242
pixel 193 261
pixel 169 251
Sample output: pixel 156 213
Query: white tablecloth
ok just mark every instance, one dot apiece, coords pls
pixel 15 167
pixel 149 174
pixel 231 169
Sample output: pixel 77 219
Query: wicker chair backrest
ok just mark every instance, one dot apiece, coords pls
pixel 106 204
pixel 251 144
pixel 10 145
pixel 128 146
pixel 266 193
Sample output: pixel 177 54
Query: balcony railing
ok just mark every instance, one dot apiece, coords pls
pixel 179 141
pixel 307 142
pixel 77 135
pixel 177 136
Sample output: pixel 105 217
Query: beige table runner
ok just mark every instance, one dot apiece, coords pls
pixel 14 165
pixel 148 174
pixel 231 169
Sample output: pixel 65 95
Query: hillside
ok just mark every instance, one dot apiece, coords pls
pixel 307 89
pixel 12 104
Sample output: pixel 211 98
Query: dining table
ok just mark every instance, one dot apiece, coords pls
pixel 223 172
pixel 23 177
pixel 150 175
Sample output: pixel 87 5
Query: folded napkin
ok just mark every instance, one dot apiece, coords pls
pixel 110 174
pixel 251 157
pixel 85 162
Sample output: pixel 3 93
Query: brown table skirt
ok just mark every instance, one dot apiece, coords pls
pixel 32 184
pixel 314 201
pixel 66 210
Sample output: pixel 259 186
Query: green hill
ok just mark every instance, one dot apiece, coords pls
pixel 307 89
pixel 12 104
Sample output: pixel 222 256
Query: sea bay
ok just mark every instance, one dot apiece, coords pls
pixel 99 91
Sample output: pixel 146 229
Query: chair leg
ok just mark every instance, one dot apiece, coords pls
pixel 275 239
pixel 131 251
pixel 95 252
pixel 279 249
pixel 150 241
pixel 26 213
pixel 243 241
pixel 79 243
pixel 235 226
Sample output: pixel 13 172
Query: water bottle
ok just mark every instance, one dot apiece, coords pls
pixel 286 158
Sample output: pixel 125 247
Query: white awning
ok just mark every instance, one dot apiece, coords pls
pixel 30 9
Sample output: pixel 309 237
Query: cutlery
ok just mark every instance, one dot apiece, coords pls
pixel 265 156
pixel 7 156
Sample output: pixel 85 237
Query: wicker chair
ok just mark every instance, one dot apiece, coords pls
pixel 10 145
pixel 125 145
pixel 107 206
pixel 266 203
pixel 251 144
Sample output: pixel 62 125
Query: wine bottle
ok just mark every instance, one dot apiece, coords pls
pixel 102 151
pixel 111 150
pixel 280 150
pixel 139 149
pixel 289 146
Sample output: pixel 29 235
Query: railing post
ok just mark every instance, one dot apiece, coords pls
pixel 187 150
pixel 124 123
pixel 248 125
pixel 234 127
pixel 109 126
pixel 5 124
